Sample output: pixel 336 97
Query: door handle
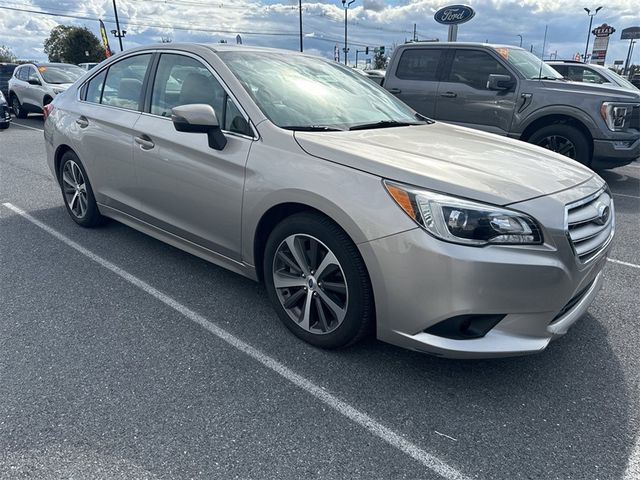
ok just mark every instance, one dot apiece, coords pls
pixel 449 94
pixel 82 122
pixel 145 142
pixel 395 90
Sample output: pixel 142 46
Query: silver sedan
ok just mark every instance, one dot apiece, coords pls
pixel 357 213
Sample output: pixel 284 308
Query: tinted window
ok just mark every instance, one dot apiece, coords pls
pixel 419 64
pixel 20 73
pixel 581 74
pixel 123 86
pixel 183 80
pixel 6 70
pixel 473 67
pixel 94 88
pixel 561 69
pixel 31 74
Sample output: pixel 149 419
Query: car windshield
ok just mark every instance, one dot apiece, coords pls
pixel 306 93
pixel 61 73
pixel 528 64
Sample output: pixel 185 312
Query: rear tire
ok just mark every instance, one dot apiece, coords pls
pixel 17 107
pixel 323 293
pixel 77 192
pixel 565 140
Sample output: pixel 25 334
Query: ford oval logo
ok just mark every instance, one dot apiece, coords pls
pixel 454 14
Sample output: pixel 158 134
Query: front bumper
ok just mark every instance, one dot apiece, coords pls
pixel 419 281
pixel 5 114
pixel 616 152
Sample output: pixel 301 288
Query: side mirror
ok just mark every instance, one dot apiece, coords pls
pixel 500 82
pixel 199 118
pixel 34 81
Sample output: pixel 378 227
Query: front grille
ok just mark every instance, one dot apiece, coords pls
pixel 590 224
pixel 635 118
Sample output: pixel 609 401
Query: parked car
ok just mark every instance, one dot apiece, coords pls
pixel 35 85
pixel 6 70
pixel 635 80
pixel 509 91
pixel 588 73
pixel 88 66
pixel 357 212
pixel 5 113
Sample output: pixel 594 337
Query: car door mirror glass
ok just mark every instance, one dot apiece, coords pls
pixel 199 118
pixel 499 82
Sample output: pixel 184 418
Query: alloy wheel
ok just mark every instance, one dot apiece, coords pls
pixel 15 105
pixel 74 188
pixel 559 144
pixel 310 284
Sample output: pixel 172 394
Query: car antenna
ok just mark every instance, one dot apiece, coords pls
pixel 544 46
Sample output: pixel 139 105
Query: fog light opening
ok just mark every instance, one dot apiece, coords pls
pixel 465 327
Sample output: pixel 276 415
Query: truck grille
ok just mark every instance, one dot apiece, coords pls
pixel 635 118
pixel 590 225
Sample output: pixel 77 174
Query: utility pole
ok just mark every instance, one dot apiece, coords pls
pixel 300 10
pixel 415 36
pixel 591 15
pixel 117 33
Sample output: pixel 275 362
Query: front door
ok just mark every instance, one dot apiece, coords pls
pixel 186 187
pixel 463 96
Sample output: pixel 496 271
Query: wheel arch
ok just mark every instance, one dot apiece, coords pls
pixel 57 158
pixel 566 118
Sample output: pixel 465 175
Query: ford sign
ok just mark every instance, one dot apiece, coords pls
pixel 454 14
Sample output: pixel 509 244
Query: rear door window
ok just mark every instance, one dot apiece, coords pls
pixel 473 67
pixel 94 88
pixel 419 64
pixel 123 85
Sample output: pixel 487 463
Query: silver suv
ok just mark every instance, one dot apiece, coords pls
pixel 357 213
pixel 509 91
pixel 33 86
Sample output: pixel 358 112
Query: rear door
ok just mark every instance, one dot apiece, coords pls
pixel 186 187
pixel 463 96
pixel 414 78
pixel 112 102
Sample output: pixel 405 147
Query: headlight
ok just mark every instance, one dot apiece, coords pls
pixel 463 221
pixel 58 91
pixel 616 115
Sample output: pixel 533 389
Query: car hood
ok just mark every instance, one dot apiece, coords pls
pixel 61 86
pixel 450 159
pixel 604 92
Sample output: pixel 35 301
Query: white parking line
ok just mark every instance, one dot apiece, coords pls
pixel 626 195
pixel 620 262
pixel 394 439
pixel 27 126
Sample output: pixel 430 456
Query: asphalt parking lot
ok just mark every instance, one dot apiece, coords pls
pixel 122 357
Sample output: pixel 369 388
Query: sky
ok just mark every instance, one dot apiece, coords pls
pixel 274 23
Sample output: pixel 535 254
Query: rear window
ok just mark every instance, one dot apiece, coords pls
pixel 7 69
pixel 419 64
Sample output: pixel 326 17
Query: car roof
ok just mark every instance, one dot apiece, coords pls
pixel 458 44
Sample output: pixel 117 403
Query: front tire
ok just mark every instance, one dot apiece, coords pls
pixel 318 282
pixel 17 107
pixel 565 140
pixel 77 192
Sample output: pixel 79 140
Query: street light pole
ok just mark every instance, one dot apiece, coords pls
pixel 346 8
pixel 591 15
pixel 118 33
pixel 300 9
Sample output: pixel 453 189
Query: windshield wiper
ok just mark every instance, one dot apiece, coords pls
pixel 313 128
pixel 384 124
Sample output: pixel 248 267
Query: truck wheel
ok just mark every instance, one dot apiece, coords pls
pixel 565 140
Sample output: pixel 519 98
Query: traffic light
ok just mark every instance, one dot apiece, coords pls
pixel 366 50
pixel 381 49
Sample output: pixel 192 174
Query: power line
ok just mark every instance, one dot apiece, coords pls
pixel 317 35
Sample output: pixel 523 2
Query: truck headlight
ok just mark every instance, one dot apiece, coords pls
pixel 616 115
pixel 463 221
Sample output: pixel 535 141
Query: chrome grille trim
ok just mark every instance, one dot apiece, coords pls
pixel 586 235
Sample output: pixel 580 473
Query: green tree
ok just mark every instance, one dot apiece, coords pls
pixel 6 54
pixel 380 61
pixel 70 44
